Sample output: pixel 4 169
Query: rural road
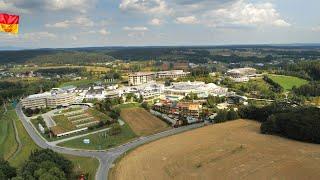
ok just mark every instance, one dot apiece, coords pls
pixel 106 157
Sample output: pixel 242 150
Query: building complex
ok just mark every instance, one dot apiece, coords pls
pixel 201 89
pixel 55 98
pixel 242 74
pixel 139 78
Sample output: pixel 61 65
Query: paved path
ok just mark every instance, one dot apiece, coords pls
pixel 106 157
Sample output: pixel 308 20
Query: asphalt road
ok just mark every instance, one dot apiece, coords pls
pixel 106 157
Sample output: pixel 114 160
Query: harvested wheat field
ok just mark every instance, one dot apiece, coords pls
pixel 142 122
pixel 232 150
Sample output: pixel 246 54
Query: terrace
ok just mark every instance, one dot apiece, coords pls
pixel 74 120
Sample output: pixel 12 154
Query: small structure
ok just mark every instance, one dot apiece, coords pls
pixel 242 74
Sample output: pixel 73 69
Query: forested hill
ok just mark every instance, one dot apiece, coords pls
pixel 197 54
pixel 50 56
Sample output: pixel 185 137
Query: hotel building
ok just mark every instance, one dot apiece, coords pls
pixel 56 97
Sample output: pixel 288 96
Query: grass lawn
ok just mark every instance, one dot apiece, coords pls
pixel 79 82
pixel 128 105
pixel 102 140
pixel 98 115
pixel 81 164
pixel 63 123
pixel 8 143
pixel 287 82
pixel 255 87
pixel 70 110
pixel 84 165
pixel 27 144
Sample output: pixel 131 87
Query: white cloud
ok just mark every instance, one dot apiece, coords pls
pixel 156 22
pixel 104 32
pixel 187 20
pixel 31 6
pixel 145 6
pixel 62 24
pixel 242 13
pixel 281 23
pixel 137 28
pixel 10 7
pixel 78 21
pixel 316 29
pixel 80 5
pixel 75 38
pixel 39 36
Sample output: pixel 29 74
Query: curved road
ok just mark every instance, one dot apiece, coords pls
pixel 106 157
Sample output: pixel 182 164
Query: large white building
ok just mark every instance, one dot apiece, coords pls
pixel 147 77
pixel 139 78
pixel 241 74
pixel 56 97
pixel 201 89
pixel 146 91
pixel 172 74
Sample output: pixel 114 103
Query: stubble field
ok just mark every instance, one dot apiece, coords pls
pixel 142 122
pixel 232 150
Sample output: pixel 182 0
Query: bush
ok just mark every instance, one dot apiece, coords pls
pixel 224 116
pixel 6 171
pixel 115 129
pixel 275 86
pixel 145 106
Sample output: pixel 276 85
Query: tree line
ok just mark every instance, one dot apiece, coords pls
pixel 41 165
pixel 10 90
pixel 300 123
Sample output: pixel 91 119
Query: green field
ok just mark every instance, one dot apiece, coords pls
pixel 8 143
pixel 102 140
pixel 27 144
pixel 254 88
pixel 128 105
pixel 8 146
pixel 65 124
pixel 79 82
pixel 288 82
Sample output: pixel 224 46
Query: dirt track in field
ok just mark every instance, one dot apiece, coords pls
pixel 232 150
pixel 142 122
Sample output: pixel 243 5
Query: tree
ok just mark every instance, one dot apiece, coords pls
pixel 41 163
pixel 145 106
pixel 6 170
pixel 115 129
pixel 268 127
pixel 192 96
pixel 221 116
pixel 232 115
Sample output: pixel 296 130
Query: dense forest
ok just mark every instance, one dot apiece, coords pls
pixel 308 90
pixel 60 71
pixel 305 69
pixel 196 54
pixel 300 123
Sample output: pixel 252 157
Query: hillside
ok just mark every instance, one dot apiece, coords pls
pixel 233 150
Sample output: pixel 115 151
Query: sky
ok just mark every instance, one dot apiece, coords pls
pixel 86 23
